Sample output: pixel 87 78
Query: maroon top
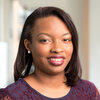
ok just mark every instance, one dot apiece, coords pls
pixel 21 90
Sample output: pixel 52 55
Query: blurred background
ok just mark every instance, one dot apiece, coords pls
pixel 86 17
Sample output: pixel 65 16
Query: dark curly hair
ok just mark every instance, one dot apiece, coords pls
pixel 24 60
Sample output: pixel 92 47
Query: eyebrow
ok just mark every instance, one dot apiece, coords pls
pixel 67 34
pixel 50 35
pixel 43 34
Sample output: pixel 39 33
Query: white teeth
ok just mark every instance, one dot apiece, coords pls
pixel 56 59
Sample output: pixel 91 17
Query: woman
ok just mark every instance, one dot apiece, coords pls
pixel 49 41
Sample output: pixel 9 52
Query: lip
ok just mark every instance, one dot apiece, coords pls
pixel 57 56
pixel 57 60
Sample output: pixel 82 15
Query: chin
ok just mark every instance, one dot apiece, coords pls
pixel 56 71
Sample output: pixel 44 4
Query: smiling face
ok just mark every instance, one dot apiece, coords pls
pixel 51 45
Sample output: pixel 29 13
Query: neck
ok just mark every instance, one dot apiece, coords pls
pixel 50 80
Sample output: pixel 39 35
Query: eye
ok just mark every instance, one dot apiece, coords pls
pixel 66 40
pixel 44 40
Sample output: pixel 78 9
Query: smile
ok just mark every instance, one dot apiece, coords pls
pixel 56 60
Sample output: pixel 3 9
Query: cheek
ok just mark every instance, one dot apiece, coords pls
pixel 39 51
pixel 69 50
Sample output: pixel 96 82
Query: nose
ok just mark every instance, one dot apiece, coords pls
pixel 57 47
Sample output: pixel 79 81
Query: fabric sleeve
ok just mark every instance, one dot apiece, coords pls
pixel 97 94
pixel 4 95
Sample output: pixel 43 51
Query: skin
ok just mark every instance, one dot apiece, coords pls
pixel 50 37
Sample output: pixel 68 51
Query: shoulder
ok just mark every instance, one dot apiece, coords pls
pixel 14 85
pixel 13 90
pixel 86 88
pixel 85 83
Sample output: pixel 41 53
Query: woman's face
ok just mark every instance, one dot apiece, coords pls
pixel 51 45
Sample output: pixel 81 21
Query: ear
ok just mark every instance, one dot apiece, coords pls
pixel 27 45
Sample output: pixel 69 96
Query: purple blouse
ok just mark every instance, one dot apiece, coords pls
pixel 21 90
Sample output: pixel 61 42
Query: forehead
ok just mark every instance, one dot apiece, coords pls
pixel 49 22
pixel 49 19
pixel 53 26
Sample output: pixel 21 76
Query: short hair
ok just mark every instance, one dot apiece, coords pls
pixel 24 60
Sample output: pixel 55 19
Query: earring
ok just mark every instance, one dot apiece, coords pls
pixel 29 51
